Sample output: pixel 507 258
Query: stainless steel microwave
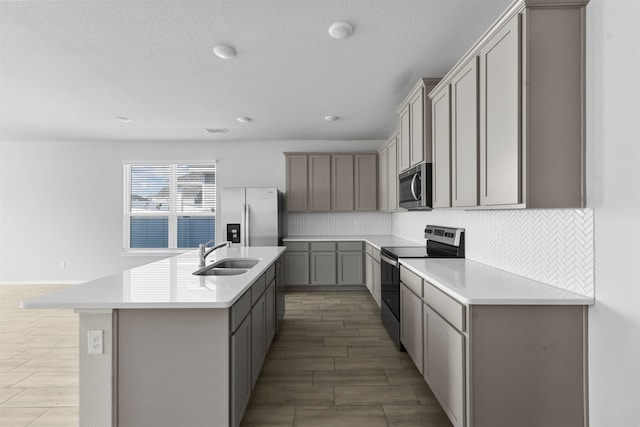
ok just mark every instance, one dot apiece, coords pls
pixel 414 190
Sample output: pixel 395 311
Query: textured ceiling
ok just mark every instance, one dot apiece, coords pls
pixel 68 68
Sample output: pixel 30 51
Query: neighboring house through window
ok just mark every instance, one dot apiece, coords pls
pixel 168 205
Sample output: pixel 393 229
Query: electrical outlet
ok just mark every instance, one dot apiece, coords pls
pixel 63 264
pixel 95 342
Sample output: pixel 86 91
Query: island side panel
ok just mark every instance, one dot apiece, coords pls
pixel 173 367
pixel 528 365
pixel 97 403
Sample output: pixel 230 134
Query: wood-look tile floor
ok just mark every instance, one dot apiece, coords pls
pixel 38 361
pixel 333 364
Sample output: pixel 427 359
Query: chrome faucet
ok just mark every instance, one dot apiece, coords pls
pixel 204 253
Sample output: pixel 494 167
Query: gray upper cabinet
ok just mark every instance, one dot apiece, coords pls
pixel 342 182
pixel 392 174
pixel 320 182
pixel 500 166
pixel 530 112
pixel 388 174
pixel 464 136
pixel 441 129
pixel 415 126
pixel 323 182
pixel 296 176
pixel 382 178
pixel 404 159
pixel 366 182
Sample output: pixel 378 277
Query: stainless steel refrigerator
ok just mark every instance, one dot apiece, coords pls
pixel 251 216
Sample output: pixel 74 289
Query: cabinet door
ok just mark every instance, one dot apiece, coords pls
pixel 366 171
pixel 350 268
pixel 297 268
pixel 411 334
pixel 416 120
pixel 323 268
pixel 441 146
pixel 404 160
pixel 296 171
pixel 270 314
pixel 369 273
pixel 500 136
pixel 258 341
pixel 319 182
pixel 444 364
pixel 464 136
pixel 342 187
pixel 240 370
pixel 383 179
pixel 392 175
pixel 377 285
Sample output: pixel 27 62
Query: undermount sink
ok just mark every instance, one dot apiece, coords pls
pixel 227 267
pixel 211 271
pixel 235 263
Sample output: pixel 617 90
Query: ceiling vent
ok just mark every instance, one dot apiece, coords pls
pixel 220 130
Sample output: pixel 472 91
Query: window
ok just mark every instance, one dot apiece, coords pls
pixel 168 206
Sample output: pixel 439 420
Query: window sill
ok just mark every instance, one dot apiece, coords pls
pixel 155 252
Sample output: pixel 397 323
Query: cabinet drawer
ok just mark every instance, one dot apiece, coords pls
pixel 350 246
pixel 411 281
pixel 297 246
pixel 451 310
pixel 323 246
pixel 257 289
pixel 270 274
pixel 240 309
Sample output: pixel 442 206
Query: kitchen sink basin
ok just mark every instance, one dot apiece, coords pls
pixel 236 263
pixel 212 271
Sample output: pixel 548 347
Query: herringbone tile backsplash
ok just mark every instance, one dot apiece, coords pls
pixel 553 246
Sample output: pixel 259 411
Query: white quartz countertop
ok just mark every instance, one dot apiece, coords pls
pixel 168 283
pixel 375 241
pixel 470 282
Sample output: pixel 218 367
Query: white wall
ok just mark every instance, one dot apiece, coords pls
pixel 613 185
pixel 40 182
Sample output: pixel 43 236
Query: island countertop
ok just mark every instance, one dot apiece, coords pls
pixel 168 283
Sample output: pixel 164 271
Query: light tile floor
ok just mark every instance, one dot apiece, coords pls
pixel 332 365
pixel 38 361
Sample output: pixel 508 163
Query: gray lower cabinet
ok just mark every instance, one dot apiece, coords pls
pixel 373 278
pixel 240 370
pixel 258 338
pixel 411 325
pixel 325 263
pixel 351 263
pixel 444 364
pixel 270 313
pixel 323 268
pixel 296 267
pixel 487 364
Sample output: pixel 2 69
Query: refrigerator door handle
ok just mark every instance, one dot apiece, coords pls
pixel 248 221
pixel 243 225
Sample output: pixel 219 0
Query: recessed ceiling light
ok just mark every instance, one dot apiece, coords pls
pixel 223 51
pixel 340 30
pixel 244 119
pixel 124 119
pixel 331 118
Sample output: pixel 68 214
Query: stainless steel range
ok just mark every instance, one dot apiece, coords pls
pixel 442 242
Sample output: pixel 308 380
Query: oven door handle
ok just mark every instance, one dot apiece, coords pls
pixel 391 261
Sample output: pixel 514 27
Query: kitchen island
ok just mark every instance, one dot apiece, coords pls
pixel 172 348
